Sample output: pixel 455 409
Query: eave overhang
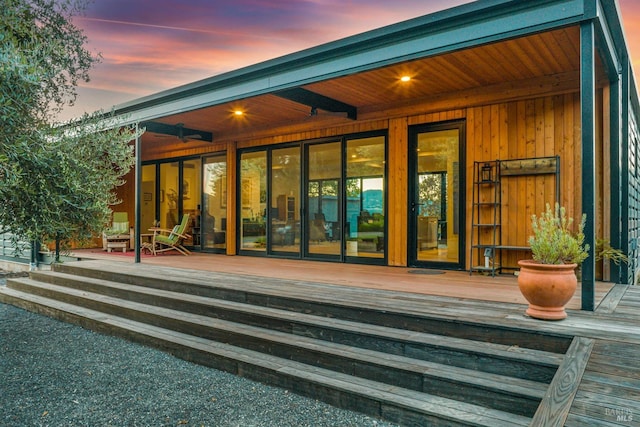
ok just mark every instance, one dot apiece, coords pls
pixel 454 29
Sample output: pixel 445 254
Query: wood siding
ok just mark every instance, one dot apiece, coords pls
pixel 537 127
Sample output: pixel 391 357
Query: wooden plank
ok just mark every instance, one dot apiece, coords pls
pixel 619 412
pixel 533 166
pixel 610 302
pixel 611 380
pixel 574 420
pixel 608 389
pixel 555 406
pixel 254 365
pixel 617 349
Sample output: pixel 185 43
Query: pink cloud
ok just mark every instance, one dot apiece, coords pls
pixel 149 46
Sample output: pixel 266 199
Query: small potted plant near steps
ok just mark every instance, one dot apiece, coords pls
pixel 548 281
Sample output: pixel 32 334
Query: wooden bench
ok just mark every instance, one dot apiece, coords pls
pixel 118 244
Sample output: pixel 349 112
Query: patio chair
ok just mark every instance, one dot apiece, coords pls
pixel 119 235
pixel 168 240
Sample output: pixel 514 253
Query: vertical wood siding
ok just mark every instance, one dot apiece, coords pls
pixel 524 129
pixel 540 127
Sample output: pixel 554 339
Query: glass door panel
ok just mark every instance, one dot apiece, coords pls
pixel 285 200
pixel 252 204
pixel 148 207
pixel 168 217
pixel 435 206
pixel 191 197
pixel 214 203
pixel 323 213
pixel 365 221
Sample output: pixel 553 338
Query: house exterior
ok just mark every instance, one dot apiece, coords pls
pixel 428 143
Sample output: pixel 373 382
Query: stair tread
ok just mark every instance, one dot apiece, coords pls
pixel 493 349
pixel 417 401
pixel 507 384
pixel 401 302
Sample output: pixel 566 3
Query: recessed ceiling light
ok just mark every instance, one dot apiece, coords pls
pixel 238 112
pixel 405 78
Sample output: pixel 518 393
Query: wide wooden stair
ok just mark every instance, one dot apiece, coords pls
pixel 352 352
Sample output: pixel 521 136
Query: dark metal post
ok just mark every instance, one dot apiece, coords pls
pixel 625 111
pixel 588 119
pixel 138 183
pixel 614 152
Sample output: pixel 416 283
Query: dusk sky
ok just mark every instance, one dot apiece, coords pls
pixel 152 45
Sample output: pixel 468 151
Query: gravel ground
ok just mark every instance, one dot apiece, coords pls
pixel 57 374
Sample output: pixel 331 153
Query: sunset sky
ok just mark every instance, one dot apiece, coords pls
pixel 152 45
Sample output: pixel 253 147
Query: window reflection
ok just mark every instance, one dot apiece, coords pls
pixel 214 203
pixel 253 201
pixel 365 231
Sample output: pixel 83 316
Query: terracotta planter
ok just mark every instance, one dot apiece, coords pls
pixel 547 287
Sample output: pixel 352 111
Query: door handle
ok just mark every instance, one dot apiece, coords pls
pixel 414 205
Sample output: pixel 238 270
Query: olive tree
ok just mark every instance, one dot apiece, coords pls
pixel 57 181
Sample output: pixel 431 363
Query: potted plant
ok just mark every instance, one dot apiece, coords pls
pixel 548 281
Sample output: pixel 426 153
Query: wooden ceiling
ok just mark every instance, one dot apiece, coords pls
pixel 518 60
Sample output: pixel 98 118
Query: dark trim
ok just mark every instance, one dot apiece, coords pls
pixel 138 191
pixel 615 174
pixel 588 119
pixel 178 130
pixel 626 275
pixel 316 101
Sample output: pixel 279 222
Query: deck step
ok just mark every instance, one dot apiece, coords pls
pixel 498 391
pixel 487 357
pixel 422 313
pixel 441 369
pixel 396 404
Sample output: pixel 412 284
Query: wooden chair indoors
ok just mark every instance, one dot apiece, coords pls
pixel 169 240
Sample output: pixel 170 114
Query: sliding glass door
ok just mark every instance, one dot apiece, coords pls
pixel 365 197
pixel 317 200
pixel 252 201
pixel 214 204
pixel 323 190
pixel 284 215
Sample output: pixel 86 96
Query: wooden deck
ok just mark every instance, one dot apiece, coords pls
pixel 455 284
pixel 597 383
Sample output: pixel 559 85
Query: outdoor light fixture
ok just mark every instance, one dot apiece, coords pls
pixel 238 112
pixel 405 78
pixel 485 172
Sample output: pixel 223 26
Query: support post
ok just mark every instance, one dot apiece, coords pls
pixel 588 119
pixel 625 110
pixel 615 173
pixel 138 185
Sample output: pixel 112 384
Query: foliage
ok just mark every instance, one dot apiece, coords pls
pixel 377 225
pixel 553 242
pixel 605 251
pixel 55 181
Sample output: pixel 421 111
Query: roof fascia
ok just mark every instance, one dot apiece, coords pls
pixel 453 29
pixel 608 42
pixel 611 16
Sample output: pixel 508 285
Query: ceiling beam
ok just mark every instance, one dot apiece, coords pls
pixel 178 130
pixel 315 101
